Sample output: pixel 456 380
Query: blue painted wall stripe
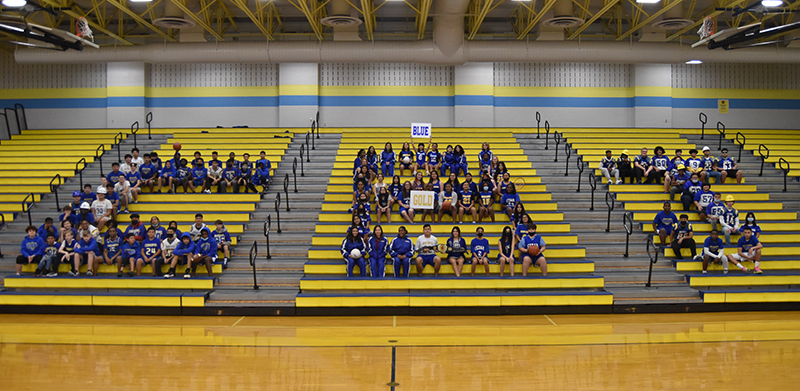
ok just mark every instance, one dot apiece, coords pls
pixel 298 100
pixel 125 101
pixel 72 103
pixel 562 102
pixel 652 101
pixel 474 100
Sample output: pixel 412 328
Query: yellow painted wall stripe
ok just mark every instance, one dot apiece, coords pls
pixel 300 89
pixel 386 91
pixel 197 92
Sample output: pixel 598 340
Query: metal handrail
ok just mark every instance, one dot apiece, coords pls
pixel 133 132
pixel 308 152
pixel 568 152
pixel 253 256
pixel 118 140
pixel 557 138
pixel 286 190
pixel 611 199
pixel 8 128
pixel 294 172
pixel 703 122
pixel 741 143
pixel 8 124
pixel 54 189
pixel 581 168
pixel 763 158
pixel 149 118
pixel 2 225
pixel 593 185
pixel 302 150
pixel 317 123
pixel 721 134
pixel 538 121
pixel 267 227
pixel 26 206
pixel 786 170
pixel 99 157
pixel 17 108
pixel 313 126
pixel 80 171
pixel 653 258
pixel 547 134
pixel 627 223
pixel 278 209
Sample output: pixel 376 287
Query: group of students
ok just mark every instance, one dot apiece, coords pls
pixel 677 172
pixel 681 234
pixel 451 196
pixel 78 242
pixel 364 248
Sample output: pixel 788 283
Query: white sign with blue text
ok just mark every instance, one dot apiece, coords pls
pixel 420 130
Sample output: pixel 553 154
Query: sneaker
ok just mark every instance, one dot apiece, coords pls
pixel 37 273
pixel 225 263
pixel 169 275
pixel 119 274
pixel 705 272
pixel 746 270
pixel 187 274
pixel 131 274
pixel 697 258
pixel 19 274
pixel 725 272
pixel 619 182
pixel 71 273
pixel 125 211
pixel 89 273
pixel 609 182
pixel 207 191
pixel 757 270
pixel 52 274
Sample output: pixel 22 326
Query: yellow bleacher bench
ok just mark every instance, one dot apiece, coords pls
pixel 308 283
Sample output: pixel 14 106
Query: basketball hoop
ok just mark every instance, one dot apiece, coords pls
pixel 82 29
pixel 708 28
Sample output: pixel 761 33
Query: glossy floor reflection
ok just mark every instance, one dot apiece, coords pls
pixel 729 351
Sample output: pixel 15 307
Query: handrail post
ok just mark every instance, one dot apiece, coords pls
pixel 26 207
pixel 580 172
pixel 267 227
pixel 54 189
pixel 308 152
pixel 278 209
pixel 149 118
pixel 557 138
pixel 8 124
pixel 253 256
pixel 286 190
pixel 653 258
pixel 610 201
pixel 294 172
pixel 538 121
pixel 721 134
pixel 80 171
pixel 593 185
pixel 568 152
pixel 99 157
pixel 741 143
pixel 133 132
pixel 17 108
pixel 313 125
pixel 627 223
pixel 786 170
pixel 117 142
pixel 302 149
pixel 703 121
pixel 317 124
pixel 8 128
pixel 763 158
pixel 2 225
pixel 547 134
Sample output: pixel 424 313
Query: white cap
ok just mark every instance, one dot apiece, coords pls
pixel 85 205
pixel 102 190
pixel 706 148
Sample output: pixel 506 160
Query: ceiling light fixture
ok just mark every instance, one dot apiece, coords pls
pixel 771 3
pixel 14 3
pixel 140 1
pixel 647 1
pixel 694 62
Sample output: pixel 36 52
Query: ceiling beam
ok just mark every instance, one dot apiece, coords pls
pixel 182 5
pixel 138 18
pixel 478 9
pixel 609 4
pixel 313 11
pixel 665 8
pixel 545 7
pixel 76 12
pixel 257 20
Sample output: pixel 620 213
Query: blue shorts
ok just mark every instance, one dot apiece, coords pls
pixel 427 259
pixel 402 209
pixel 198 182
pixel 404 165
pixel 533 258
pixel 667 228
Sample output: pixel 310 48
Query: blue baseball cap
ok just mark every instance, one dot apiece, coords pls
pixel 76 193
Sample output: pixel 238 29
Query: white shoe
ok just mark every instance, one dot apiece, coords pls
pixel 619 181
pixel 207 191
pixel 609 182
pixel 698 258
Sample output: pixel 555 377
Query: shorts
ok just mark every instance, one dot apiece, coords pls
pixel 667 228
pixel 738 258
pixel 533 258
pixel 427 259
pixel 405 166
pixel 85 258
pixel 455 255
pixel 732 172
pixel 402 209
pixel 23 260
pixel 126 260
pixel 156 260
pixel 198 182
pixel 500 255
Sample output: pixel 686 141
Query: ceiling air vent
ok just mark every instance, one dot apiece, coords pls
pixel 672 24
pixel 563 22
pixel 173 22
pixel 340 21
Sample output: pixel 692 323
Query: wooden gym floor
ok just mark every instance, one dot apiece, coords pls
pixel 711 351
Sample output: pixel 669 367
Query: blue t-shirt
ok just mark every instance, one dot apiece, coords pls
pixel 745 244
pixel 661 163
pixel 87 198
pixel 530 241
pixel 466 198
pixel 434 157
pixel 112 245
pixel 147 171
pixel 133 177
pixel 714 246
pixel 113 177
pixel 755 228
pixel 665 220
pixel 510 200
pixel 522 230
pixel 486 198
pixel 479 247
pixel 131 250
pixel 151 247
pixel 421 157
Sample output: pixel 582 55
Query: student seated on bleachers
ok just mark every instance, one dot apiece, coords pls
pixel 728 167
pixel 353 251
pixel 246 177
pixel 608 166
pixel 383 205
pixel 198 226
pixel 659 166
pixel 748 248
pixel 641 166
pixel 123 189
pixel 466 203
pixel 710 165
pixel 449 198
pixel 713 252
pixel 113 197
pixel 126 167
pixel 112 248
pixel 49 256
pixel 223 239
pixel 460 157
pixel 168 246
pixel 136 158
pixel 677 181
pixel 151 254
pixel 183 175
pixel 715 210
pixel 531 248
pixel 516 217
pixel 136 228
pixel 31 249
pixel 730 219
pixel 215 158
pixel 750 221
pixel 102 208
pixel 510 200
pixel 505 250
pixel 230 178
pixel 372 162
pixel 166 177
pixel 261 178
pixel 85 214
pixel 421 157
pixel 694 165
pixel 149 173
pixel 486 210
pixel 157 163
pixel 479 247
pixel 625 166
pixel 87 252
pixel 155 223
pixel 88 196
pixel 378 248
pixel 205 252
pixel 690 188
pixel 47 229
pixel 131 255
pixel 184 253
pixel 664 222
pixel 401 249
pixel 75 205
pixel 404 203
pixel 456 247
pixel 199 174
pixel 435 210
pixel 683 237
pixel 66 253
pixel 406 159
pixel 113 176
pixel 66 226
pixel 426 247
pixel 702 199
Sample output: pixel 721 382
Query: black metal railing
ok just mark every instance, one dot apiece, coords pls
pixel 54 189
pixel 308 152
pixel 627 223
pixel 786 170
pixel 302 151
pixel 21 125
pixel 278 209
pixel 79 171
pixel 593 186
pixel 721 130
pixel 286 190
pixel 703 122
pixel 741 143
pixel 547 134
pixel 8 128
pixel 134 131
pixel 2 225
pixel 763 157
pixel 99 157
pixel 653 255
pixel 313 128
pixel 611 199
pixel 568 152
pixel 253 256
pixel 581 167
pixel 117 140
pixel 8 122
pixel 557 138
pixel 538 121
pixel 317 122
pixel 149 118
pixel 26 206
pixel 267 228
pixel 294 172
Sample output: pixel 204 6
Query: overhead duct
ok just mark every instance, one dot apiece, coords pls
pixel 562 16
pixel 672 19
pixel 419 52
pixel 173 18
pixel 344 20
pixel 448 25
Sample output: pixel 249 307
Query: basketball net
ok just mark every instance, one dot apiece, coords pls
pixel 708 28
pixel 82 29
